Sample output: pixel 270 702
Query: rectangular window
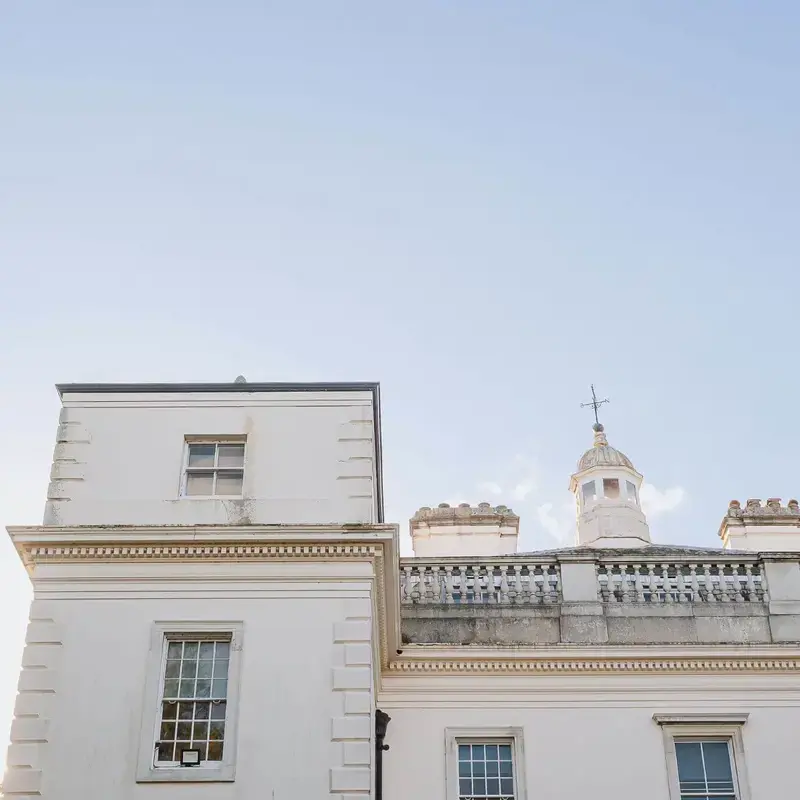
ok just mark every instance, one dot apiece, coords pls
pixel 705 756
pixel 214 469
pixel 630 488
pixel 485 770
pixel 588 492
pixel 704 769
pixel 485 764
pixel 611 488
pixel 193 701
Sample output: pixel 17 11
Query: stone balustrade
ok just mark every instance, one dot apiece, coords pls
pixel 654 595
pixel 718 582
pixel 479 582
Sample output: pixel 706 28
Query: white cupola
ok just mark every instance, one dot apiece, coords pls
pixel 606 488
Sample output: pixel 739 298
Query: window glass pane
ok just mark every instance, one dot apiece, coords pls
pixel 222 649
pixel 201 455
pixel 221 668
pixel 165 751
pixel 216 730
pixel 716 757
pixel 215 751
pixel 199 483
pixel 229 483
pixel 588 492
pixel 206 649
pixel 611 488
pixel 690 766
pixel 631 490
pixel 175 650
pixel 231 455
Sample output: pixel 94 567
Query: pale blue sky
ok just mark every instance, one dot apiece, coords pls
pixel 484 206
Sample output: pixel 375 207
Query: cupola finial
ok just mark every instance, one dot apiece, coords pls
pixel 595 404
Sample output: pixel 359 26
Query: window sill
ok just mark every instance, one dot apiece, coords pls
pixel 223 774
pixel 211 497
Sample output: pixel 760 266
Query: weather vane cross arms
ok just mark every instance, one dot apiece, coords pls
pixel 595 404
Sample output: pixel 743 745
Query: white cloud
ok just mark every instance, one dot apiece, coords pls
pixel 522 490
pixel 655 502
pixel 560 525
pixel 490 487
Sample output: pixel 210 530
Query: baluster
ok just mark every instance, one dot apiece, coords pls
pixel 752 593
pixel 420 585
pixel 436 586
pixel 533 586
pixel 651 583
pixel 462 585
pixel 738 597
pixel 504 599
pixel 724 594
pixel 695 586
pixel 667 583
pixel 488 570
pixel 477 583
pixel 764 585
pixel 680 583
pixel 637 583
pixel 611 582
pixel 448 585
pixel 547 586
pixel 602 585
pixel 625 583
pixel 552 582
pixel 709 584
pixel 407 586
pixel 556 582
pixel 517 591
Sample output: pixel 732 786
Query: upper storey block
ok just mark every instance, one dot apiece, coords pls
pixel 220 453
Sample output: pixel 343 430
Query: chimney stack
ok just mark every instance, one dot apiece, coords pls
pixel 465 530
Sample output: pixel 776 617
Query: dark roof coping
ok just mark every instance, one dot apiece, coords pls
pixel 144 388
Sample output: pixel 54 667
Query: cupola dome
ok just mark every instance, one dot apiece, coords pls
pixel 602 454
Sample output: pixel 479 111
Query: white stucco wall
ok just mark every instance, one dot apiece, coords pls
pixel 769 539
pixel 310 458
pixel 585 736
pixel 306 697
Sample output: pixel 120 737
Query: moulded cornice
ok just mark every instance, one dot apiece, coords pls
pixel 374 543
pixel 598 659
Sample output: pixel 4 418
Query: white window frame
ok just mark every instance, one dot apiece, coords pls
pixel 215 440
pixel 702 727
pixel 501 735
pixel 223 771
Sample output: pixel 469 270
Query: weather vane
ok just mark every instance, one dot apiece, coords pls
pixel 595 404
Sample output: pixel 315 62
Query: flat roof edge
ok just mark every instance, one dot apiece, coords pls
pixel 145 388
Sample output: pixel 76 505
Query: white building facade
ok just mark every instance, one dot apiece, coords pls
pixel 220 611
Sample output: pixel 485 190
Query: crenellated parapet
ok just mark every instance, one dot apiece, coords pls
pixel 772 508
pixel 464 530
pixel 761 525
